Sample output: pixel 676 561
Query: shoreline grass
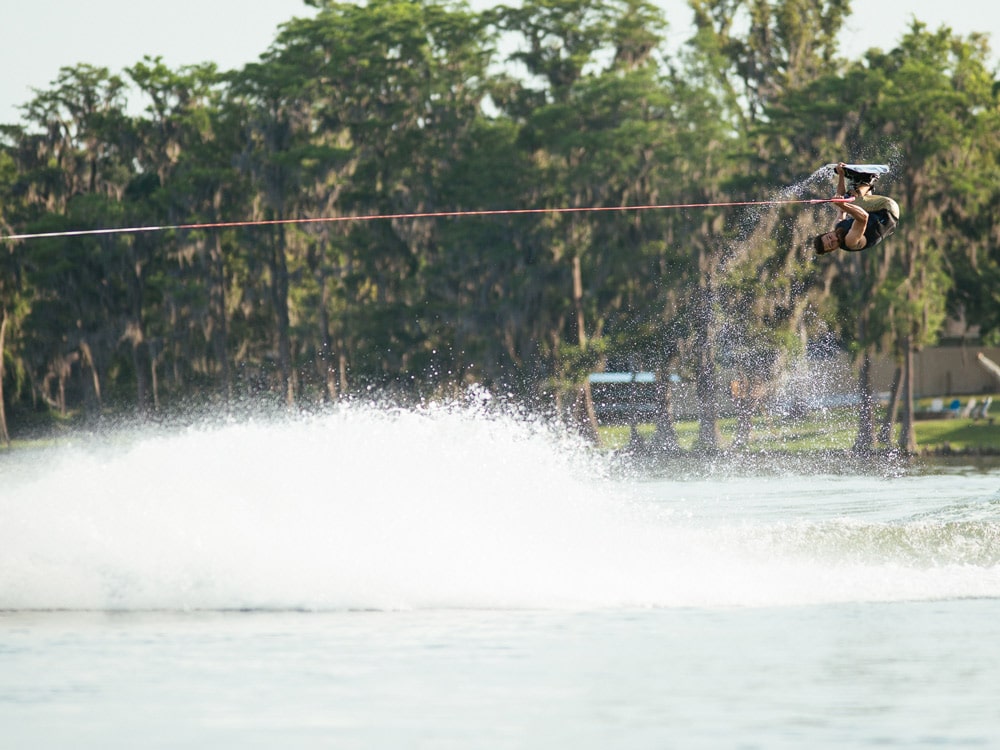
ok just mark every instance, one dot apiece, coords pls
pixel 833 430
pixel 830 430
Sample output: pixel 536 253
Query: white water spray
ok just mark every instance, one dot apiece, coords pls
pixel 368 508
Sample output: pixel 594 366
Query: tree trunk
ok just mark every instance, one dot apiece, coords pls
pixel 154 377
pixel 584 414
pixel 342 367
pixel 864 443
pixel 742 391
pixel 60 368
pixel 581 331
pixel 143 364
pixel 4 434
pixel 709 436
pixel 279 292
pixel 885 431
pixel 583 405
pixel 93 404
pixel 665 437
pixel 61 385
pixel 135 332
pixel 327 357
pixel 907 440
pixel 217 304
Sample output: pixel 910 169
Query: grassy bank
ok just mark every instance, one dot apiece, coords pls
pixel 833 430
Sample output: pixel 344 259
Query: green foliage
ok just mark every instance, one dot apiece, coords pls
pixel 399 106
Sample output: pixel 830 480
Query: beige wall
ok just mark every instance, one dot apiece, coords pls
pixel 944 371
pixel 940 371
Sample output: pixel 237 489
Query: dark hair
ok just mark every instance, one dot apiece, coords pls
pixel 864 179
pixel 818 244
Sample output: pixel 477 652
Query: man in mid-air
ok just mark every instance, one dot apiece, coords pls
pixel 863 223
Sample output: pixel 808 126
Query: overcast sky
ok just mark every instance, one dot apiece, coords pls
pixel 41 37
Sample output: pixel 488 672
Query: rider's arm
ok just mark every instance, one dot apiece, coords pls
pixel 855 238
pixel 841 186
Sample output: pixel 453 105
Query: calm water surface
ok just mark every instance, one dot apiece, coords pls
pixel 444 580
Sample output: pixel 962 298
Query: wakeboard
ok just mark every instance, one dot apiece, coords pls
pixel 855 171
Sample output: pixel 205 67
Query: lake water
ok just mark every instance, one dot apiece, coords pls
pixel 449 578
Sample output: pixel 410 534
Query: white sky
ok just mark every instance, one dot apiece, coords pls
pixel 41 37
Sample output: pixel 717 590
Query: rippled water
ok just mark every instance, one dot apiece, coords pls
pixel 448 578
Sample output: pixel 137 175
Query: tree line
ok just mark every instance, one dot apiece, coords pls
pixel 403 107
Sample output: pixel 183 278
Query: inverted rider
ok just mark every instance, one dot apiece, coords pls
pixel 863 223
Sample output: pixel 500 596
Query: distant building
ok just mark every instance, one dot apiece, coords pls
pixel 623 397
